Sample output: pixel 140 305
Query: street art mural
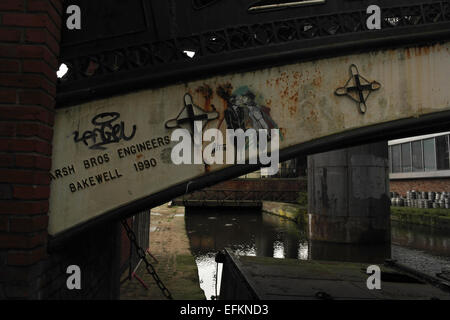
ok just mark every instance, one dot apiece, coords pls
pixel 243 111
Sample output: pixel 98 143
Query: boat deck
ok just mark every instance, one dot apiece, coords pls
pixel 262 278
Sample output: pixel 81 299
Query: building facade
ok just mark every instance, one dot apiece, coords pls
pixel 420 163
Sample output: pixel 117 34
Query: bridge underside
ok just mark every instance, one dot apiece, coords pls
pixel 112 148
pixel 299 99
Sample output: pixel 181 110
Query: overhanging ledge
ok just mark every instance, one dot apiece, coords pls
pixel 114 68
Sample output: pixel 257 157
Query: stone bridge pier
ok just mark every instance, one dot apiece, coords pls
pixel 348 195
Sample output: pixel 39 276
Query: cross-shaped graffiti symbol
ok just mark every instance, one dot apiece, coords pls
pixel 189 106
pixel 361 89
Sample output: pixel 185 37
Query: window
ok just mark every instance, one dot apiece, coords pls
pixel 442 158
pixel 417 157
pixel 396 158
pixel 406 157
pixel 429 154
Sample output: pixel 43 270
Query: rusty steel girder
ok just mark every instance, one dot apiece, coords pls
pixel 126 46
pixel 130 168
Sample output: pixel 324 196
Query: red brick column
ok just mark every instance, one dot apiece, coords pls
pixel 29 48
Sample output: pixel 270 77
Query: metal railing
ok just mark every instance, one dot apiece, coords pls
pixel 107 65
pixel 221 196
pixel 285 173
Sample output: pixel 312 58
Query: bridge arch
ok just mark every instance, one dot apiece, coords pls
pixel 299 99
pixel 292 62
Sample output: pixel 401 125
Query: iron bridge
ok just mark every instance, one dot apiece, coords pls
pixel 142 50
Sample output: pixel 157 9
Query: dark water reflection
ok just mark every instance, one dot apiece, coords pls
pixel 435 241
pixel 246 232
pixel 253 233
pixel 423 248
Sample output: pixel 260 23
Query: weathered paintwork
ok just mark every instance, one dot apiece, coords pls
pixel 299 99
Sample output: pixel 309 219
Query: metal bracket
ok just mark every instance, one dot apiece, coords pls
pixel 357 92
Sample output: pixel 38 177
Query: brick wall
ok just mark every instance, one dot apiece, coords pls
pixel 33 266
pixel 29 49
pixel 437 185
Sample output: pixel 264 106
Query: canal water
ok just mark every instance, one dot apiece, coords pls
pixel 252 233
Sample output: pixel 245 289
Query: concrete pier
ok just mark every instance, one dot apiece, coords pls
pixel 348 195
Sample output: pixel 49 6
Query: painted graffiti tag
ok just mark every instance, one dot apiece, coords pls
pixel 105 133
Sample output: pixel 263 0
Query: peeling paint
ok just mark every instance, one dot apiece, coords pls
pixel 299 98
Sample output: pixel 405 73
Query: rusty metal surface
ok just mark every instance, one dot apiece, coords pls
pixel 299 99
